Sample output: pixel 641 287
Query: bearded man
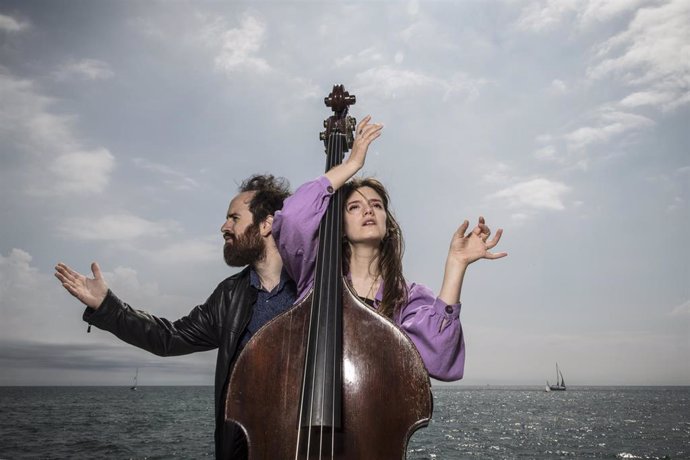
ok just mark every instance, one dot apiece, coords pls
pixel 236 309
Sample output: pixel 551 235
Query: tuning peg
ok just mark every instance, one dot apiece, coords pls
pixel 322 136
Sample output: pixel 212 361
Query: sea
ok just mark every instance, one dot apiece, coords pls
pixel 468 423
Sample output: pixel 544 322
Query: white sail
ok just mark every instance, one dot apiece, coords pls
pixel 134 383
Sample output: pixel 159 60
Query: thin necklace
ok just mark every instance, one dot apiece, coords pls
pixel 371 289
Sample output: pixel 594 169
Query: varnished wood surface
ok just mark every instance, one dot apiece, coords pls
pixel 386 392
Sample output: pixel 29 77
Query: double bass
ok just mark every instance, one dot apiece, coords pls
pixel 330 378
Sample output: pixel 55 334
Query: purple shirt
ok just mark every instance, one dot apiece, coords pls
pixel 430 323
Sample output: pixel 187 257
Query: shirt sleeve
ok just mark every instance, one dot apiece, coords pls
pixel 435 329
pixel 296 229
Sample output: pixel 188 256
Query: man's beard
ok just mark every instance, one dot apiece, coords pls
pixel 247 249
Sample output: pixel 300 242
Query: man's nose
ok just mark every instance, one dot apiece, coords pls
pixel 226 227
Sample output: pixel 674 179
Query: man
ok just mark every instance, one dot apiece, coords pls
pixel 236 309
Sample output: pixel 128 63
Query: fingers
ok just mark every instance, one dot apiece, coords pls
pixel 494 241
pixel 61 278
pixel 65 274
pixel 484 230
pixel 462 229
pixel 65 270
pixel 497 255
pixel 362 123
pixel 368 132
pixel 66 278
pixel 96 270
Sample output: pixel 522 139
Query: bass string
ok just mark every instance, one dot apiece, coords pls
pixel 303 397
pixel 333 236
pixel 334 284
pixel 331 232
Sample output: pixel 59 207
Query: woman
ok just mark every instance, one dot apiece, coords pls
pixel 372 253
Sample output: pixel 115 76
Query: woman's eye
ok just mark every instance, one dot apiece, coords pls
pixel 353 207
pixel 378 205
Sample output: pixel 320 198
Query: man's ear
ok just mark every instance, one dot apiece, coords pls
pixel 266 226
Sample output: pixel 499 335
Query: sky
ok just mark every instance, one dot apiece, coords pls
pixel 126 127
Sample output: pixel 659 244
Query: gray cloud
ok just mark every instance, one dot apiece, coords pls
pixel 10 24
pixel 562 122
pixel 88 69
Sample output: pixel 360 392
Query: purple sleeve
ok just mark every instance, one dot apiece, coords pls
pixel 296 229
pixel 434 327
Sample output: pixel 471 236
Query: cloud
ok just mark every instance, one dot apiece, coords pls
pixel 674 188
pixel 89 69
pixel 413 7
pixel 391 82
pixel 547 152
pixel 653 98
pixel 125 279
pixel 537 193
pixel 57 337
pixel 190 251
pixel 115 227
pixel 16 272
pixel 100 361
pixel 94 356
pixel 498 173
pixel 31 354
pixel 49 157
pixel 171 178
pixel 26 120
pixel 237 49
pixel 682 310
pixel 365 57
pixel 558 87
pixel 9 24
pixel 608 124
pixel 543 16
pixel 651 55
pixel 28 296
pixel 654 53
pixel 540 16
pixel 82 172
pixel 147 28
pixel 683 171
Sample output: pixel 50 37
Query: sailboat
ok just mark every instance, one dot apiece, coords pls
pixel 560 382
pixel 134 385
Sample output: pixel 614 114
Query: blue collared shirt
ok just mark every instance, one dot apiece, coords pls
pixel 268 304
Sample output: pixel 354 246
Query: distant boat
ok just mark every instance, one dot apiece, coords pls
pixel 560 382
pixel 134 385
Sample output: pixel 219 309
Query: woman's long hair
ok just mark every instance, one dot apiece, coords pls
pixel 391 251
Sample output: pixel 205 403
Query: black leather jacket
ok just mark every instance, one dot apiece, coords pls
pixel 217 323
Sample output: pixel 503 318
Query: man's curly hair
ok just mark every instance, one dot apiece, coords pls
pixel 270 190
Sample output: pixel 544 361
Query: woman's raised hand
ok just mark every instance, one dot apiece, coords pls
pixel 365 134
pixel 476 245
pixel 465 249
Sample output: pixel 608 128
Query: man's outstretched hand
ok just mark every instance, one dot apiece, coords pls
pixel 90 291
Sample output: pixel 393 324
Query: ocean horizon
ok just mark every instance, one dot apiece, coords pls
pixel 157 422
